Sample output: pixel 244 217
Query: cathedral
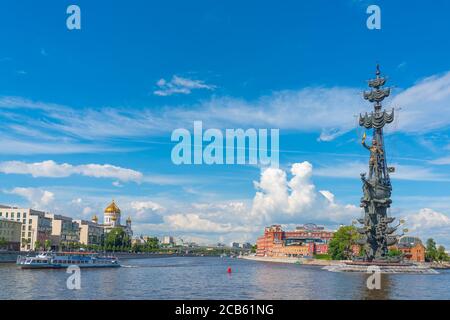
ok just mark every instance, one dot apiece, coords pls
pixel 112 219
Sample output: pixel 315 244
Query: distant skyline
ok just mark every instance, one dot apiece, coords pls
pixel 87 114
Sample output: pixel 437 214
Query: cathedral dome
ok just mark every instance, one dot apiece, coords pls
pixel 112 209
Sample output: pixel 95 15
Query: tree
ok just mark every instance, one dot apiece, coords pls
pixel 341 245
pixel 117 238
pixel 47 244
pixel 37 245
pixel 431 253
pixel 394 253
pixel 441 255
pixel 152 243
pixel 3 242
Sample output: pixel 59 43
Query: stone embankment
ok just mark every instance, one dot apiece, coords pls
pixel 8 256
pixel 303 261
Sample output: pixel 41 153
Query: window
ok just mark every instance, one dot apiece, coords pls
pixel 18 215
pixel 1 213
pixel 30 221
pixel 24 214
pixel 12 215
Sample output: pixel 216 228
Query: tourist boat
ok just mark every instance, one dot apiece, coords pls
pixel 49 260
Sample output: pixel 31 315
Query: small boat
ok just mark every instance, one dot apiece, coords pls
pixel 49 260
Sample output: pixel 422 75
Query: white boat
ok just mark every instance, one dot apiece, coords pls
pixel 49 260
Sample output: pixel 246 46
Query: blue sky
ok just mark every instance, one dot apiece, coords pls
pixel 87 114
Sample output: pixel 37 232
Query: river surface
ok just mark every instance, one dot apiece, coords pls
pixel 207 278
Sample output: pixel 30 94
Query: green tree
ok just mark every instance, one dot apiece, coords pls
pixel 431 253
pixel 136 247
pixel 37 245
pixel 441 255
pixel 340 246
pixel 394 253
pixel 47 244
pixel 117 238
pixel 3 243
pixel 152 243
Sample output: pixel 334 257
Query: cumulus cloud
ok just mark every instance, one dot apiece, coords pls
pixel 52 169
pixel 146 205
pixel 429 223
pixel 38 198
pixel 280 200
pixel 179 85
pixel 194 223
pixel 427 218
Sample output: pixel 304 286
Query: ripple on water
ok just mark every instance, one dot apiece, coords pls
pixel 207 278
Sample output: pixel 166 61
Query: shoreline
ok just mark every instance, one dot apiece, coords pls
pixel 11 257
pixel 327 263
pixel 301 261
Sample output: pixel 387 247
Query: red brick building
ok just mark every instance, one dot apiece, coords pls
pixel 411 248
pixel 305 240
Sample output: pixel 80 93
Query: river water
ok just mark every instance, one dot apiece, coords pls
pixel 207 278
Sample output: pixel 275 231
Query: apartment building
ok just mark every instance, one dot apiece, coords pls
pixel 35 226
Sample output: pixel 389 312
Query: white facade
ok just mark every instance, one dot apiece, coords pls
pixel 35 226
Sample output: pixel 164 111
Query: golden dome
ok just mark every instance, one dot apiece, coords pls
pixel 95 218
pixel 129 219
pixel 112 208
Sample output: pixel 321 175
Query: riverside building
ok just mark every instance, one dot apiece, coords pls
pixel 306 240
pixel 411 248
pixel 65 231
pixel 10 234
pixel 91 233
pixel 36 227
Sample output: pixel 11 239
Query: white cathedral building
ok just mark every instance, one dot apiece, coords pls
pixel 112 219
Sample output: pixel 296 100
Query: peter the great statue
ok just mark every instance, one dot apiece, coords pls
pixel 376 234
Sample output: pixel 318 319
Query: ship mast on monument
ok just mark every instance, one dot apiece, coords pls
pixel 376 234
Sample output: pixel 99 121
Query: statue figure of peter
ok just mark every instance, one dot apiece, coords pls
pixel 375 151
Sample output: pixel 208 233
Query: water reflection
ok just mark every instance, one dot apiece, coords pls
pixel 207 278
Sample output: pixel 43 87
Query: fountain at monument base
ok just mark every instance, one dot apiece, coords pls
pixel 395 268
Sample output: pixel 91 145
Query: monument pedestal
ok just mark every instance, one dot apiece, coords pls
pixel 369 267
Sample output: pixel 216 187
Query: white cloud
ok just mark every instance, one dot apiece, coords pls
pixel 87 211
pixel 194 223
pixel 429 219
pixel 52 169
pixel 279 200
pixel 328 111
pixel 422 102
pixel 179 85
pixel 38 198
pixel 428 223
pixel 146 205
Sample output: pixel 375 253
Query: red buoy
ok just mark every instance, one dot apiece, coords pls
pixel 229 270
